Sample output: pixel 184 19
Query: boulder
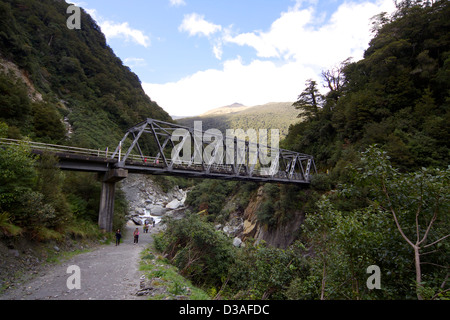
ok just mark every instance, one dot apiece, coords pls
pixel 157 210
pixel 136 221
pixel 174 204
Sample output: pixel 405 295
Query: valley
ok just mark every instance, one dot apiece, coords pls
pixel 380 200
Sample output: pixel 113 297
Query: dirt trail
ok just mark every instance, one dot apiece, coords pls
pixel 109 272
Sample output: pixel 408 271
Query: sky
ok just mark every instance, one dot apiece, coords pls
pixel 196 55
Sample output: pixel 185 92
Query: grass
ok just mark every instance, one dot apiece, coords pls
pixel 59 257
pixel 46 234
pixel 85 230
pixel 167 277
pixel 77 229
pixel 6 227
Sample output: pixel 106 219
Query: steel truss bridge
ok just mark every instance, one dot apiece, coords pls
pixel 285 166
pixel 179 151
pixel 205 155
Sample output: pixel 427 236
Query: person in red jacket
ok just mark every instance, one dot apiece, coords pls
pixel 136 235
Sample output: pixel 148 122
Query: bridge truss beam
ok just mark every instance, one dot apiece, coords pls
pixel 192 152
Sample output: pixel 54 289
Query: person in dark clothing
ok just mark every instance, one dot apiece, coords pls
pixel 118 236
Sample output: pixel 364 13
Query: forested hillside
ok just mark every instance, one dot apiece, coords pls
pixel 63 86
pixel 275 115
pixel 396 97
pixel 380 137
pixel 77 73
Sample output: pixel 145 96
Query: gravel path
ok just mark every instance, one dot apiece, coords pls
pixel 109 272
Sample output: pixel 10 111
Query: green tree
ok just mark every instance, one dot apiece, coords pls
pixel 419 203
pixel 397 221
pixel 50 183
pixel 342 245
pixel 17 174
pixel 310 100
pixel 15 107
pixel 47 123
pixel 335 82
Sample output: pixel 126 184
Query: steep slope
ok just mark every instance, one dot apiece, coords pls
pixel 75 71
pixel 62 86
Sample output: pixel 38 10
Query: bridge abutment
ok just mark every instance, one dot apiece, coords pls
pixel 106 210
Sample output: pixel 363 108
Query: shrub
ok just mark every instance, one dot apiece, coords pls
pixel 202 253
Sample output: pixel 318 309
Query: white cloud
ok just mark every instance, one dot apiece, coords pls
pixel 113 29
pixel 298 46
pixel 135 62
pixel 281 37
pixel 256 83
pixel 218 49
pixel 177 3
pixel 293 35
pixel 196 24
pixel 123 30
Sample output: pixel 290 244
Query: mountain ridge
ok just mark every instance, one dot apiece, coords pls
pixel 272 115
pixel 235 107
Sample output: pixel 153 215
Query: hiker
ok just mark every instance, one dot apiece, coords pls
pixel 136 235
pixel 118 236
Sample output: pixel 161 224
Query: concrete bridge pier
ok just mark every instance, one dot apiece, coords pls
pixel 106 211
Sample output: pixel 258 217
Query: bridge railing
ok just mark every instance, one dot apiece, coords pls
pixel 105 154
pixel 56 148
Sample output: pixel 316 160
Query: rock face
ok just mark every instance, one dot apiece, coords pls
pixel 244 224
pixel 147 199
pixel 281 236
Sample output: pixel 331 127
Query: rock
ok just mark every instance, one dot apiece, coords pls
pixel 136 221
pixel 156 210
pixel 249 226
pixel 56 248
pixel 174 204
pixel 14 252
pixel 234 227
pixel 237 242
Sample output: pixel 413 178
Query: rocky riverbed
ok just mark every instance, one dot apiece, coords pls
pixel 147 200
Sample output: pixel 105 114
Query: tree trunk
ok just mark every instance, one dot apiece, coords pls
pixel 418 272
pixel 322 294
